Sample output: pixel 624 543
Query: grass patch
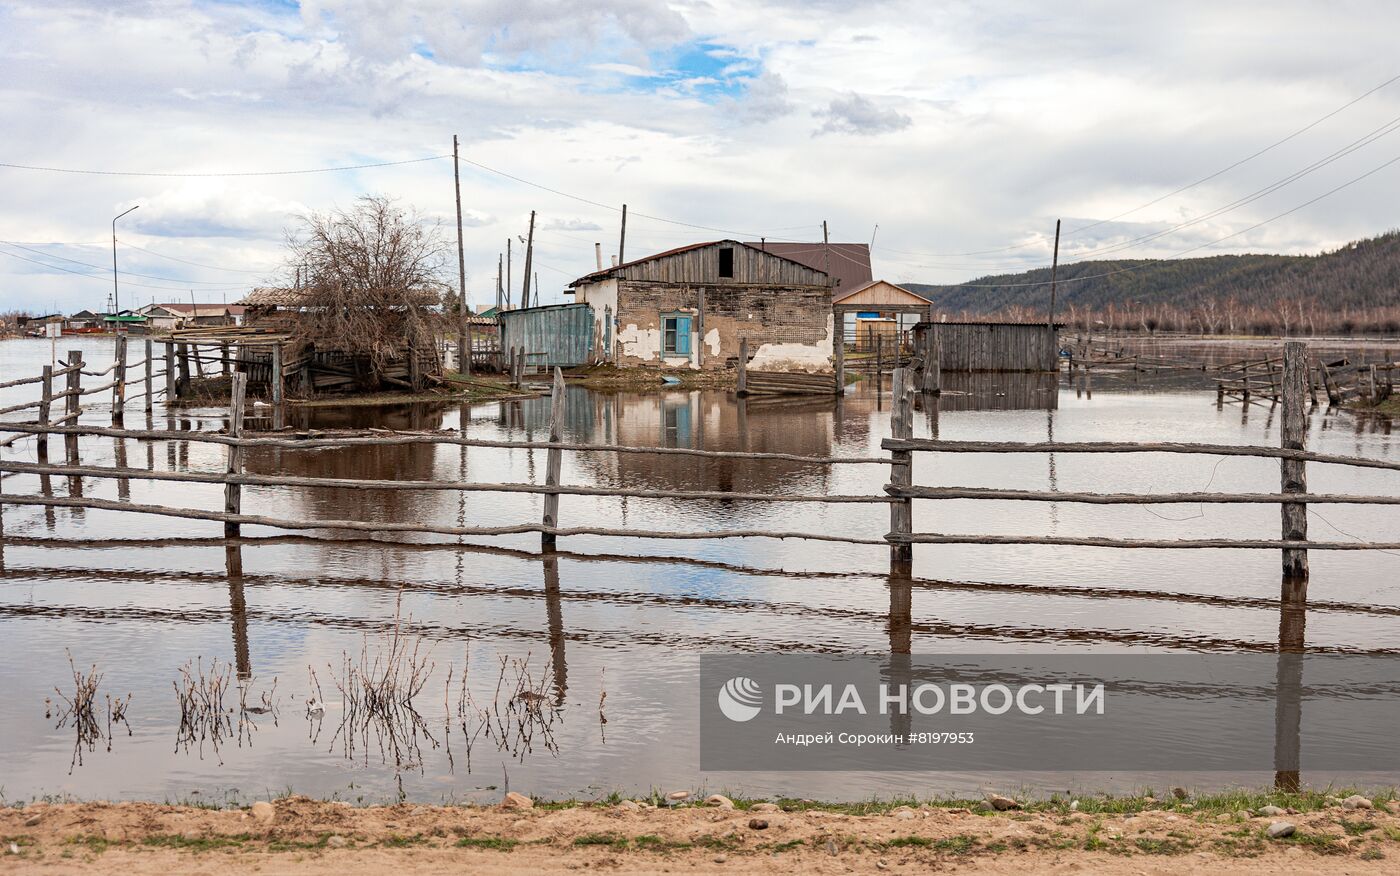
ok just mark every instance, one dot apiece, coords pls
pixel 1322 843
pixel 403 842
pixel 726 843
pixel 650 842
pixel 194 844
pixel 499 843
pixel 93 843
pixel 777 848
pixel 612 840
pixel 1153 846
pixel 1356 828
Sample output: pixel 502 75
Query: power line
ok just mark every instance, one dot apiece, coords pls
pixel 1183 252
pixel 103 278
pixel 196 264
pixel 1172 193
pixel 1389 127
pixel 593 203
pixel 220 174
pixel 179 282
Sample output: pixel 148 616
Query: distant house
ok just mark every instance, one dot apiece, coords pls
pixel 692 307
pixel 184 315
pixel 84 319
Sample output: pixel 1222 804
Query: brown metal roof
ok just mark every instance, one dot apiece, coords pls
pixel 598 275
pixel 847 263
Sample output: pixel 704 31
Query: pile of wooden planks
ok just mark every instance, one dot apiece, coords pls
pixel 788 383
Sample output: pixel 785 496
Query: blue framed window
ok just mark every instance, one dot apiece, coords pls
pixel 675 334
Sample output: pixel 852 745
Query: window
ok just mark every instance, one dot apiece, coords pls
pixel 726 262
pixel 675 334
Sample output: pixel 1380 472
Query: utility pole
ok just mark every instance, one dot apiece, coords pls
pixel 826 253
pixel 464 355
pixel 116 296
pixel 622 241
pixel 529 255
pixel 499 278
pixel 509 244
pixel 1050 320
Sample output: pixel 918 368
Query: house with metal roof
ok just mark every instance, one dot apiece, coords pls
pixel 695 306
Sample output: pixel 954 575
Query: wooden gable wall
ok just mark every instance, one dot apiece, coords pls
pixel 701 265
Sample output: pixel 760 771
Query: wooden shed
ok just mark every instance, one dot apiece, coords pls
pixel 993 346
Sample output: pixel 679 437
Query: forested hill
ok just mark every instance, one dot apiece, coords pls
pixel 1361 275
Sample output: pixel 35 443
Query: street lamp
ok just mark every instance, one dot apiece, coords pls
pixel 116 299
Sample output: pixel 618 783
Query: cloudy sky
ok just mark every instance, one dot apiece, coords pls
pixel 961 130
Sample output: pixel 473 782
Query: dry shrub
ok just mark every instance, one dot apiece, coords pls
pixel 370 278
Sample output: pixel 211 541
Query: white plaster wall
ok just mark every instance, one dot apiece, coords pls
pixel 796 357
pixel 641 343
pixel 602 297
pixel 712 341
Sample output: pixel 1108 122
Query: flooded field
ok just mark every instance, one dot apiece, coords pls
pixel 603 636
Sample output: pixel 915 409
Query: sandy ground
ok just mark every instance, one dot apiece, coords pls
pixel 301 836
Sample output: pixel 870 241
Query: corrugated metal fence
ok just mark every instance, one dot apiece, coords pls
pixel 560 334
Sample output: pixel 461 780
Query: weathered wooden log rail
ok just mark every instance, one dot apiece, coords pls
pixel 1340 381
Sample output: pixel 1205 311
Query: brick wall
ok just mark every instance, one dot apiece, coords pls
pixel 762 314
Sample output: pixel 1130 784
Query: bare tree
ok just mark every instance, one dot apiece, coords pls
pixel 371 280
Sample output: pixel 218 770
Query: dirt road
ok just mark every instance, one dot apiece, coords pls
pixel 301 836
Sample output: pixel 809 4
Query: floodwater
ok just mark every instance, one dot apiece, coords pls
pixel 609 630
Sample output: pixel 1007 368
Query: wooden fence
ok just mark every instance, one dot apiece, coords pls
pixel 1341 381
pixel 899 494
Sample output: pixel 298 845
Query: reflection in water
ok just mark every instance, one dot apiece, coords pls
pixel 554 610
pixel 238 609
pixel 86 711
pixel 1288 703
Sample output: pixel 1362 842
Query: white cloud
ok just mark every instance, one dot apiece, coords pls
pixel 857 114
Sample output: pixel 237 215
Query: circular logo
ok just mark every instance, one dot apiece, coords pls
pixel 741 699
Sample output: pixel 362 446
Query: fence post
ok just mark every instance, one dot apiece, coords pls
pixel 171 392
pixel 555 460
pixel 182 381
pixel 233 500
pixel 1244 381
pixel 45 404
pixel 742 386
pixel 840 353
pixel 150 365
pixel 1334 393
pixel 119 382
pixel 1294 472
pixel 70 402
pixel 933 375
pixel 276 373
pixel 901 470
